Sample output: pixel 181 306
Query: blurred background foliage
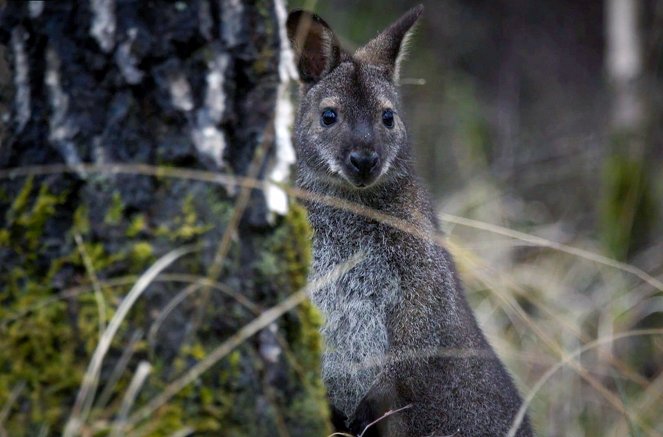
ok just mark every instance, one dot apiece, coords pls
pixel 546 117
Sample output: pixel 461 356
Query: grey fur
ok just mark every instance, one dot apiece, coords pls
pixel 398 329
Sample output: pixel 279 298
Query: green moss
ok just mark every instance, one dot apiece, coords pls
pixel 4 197
pixel 4 238
pixel 115 210
pixel 166 419
pixel 43 356
pixel 307 339
pixel 298 249
pixel 81 220
pixel 136 226
pixel 99 257
pixel 141 252
pixel 231 370
pixel 285 257
pixel 26 219
pixel 185 226
pixel 50 348
pixel 21 201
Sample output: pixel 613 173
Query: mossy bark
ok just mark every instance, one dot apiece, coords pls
pixel 177 84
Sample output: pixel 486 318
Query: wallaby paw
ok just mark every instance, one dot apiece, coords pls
pixel 365 415
pixel 362 422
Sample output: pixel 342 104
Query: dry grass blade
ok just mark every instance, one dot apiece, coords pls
pixel 142 372
pixel 514 310
pixel 68 293
pixel 229 180
pixel 183 432
pixel 118 370
pixel 648 398
pixel 43 431
pixel 91 378
pixel 509 303
pixel 98 293
pixel 4 413
pixel 174 302
pixel 219 286
pixel 128 280
pixel 262 321
pixel 241 203
pixel 566 360
pixel 543 242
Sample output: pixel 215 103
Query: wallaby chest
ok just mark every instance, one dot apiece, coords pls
pixel 355 306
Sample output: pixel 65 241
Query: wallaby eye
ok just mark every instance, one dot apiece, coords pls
pixel 328 117
pixel 388 118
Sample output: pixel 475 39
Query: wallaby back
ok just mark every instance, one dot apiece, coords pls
pixel 398 329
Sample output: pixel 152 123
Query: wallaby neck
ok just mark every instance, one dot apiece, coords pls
pixel 399 195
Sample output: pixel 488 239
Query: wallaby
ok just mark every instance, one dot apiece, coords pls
pixel 397 327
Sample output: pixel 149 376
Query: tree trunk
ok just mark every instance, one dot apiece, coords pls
pixel 109 100
pixel 629 208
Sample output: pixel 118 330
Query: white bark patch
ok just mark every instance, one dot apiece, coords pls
pixel 623 42
pixel 215 98
pixel 207 137
pixel 21 77
pixel 180 91
pixel 270 350
pixel 35 8
pixel 103 23
pixel 61 129
pixel 625 62
pixel 231 21
pixel 277 200
pixel 210 142
pixel 126 61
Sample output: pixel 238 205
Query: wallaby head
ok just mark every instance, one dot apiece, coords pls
pixel 349 128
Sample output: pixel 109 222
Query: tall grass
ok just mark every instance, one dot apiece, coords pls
pixel 579 331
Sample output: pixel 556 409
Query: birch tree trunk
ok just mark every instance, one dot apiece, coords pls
pixel 628 206
pixel 120 272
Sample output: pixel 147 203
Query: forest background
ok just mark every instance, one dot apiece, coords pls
pixel 537 125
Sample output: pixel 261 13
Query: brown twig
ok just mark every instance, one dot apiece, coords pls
pixel 384 416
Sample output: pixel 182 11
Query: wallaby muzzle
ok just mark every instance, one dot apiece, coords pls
pixel 362 167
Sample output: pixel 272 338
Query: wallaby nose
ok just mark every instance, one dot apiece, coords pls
pixel 364 162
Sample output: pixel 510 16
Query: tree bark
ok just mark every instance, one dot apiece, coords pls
pixel 108 101
pixel 629 206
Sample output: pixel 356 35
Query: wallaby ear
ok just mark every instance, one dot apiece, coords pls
pixel 317 51
pixel 387 49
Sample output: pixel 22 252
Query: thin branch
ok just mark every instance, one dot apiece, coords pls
pixel 384 416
